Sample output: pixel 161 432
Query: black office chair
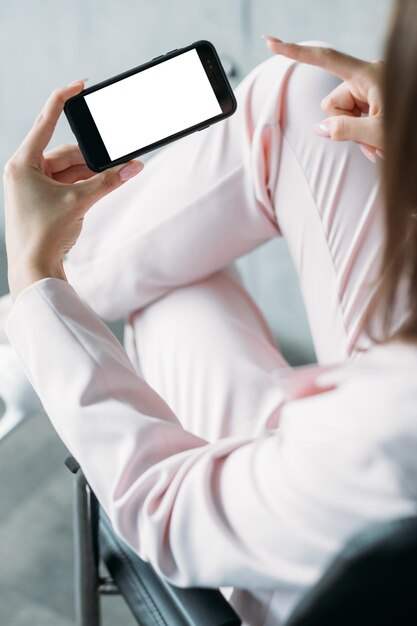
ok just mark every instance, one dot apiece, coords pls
pixel 373 581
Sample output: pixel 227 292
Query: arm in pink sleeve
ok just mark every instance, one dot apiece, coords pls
pixel 240 512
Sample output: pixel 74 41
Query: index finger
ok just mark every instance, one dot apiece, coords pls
pixel 42 130
pixel 342 65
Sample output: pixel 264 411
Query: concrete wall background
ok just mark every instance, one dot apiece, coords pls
pixel 47 43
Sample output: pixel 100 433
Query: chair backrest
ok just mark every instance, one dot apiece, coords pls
pixel 373 581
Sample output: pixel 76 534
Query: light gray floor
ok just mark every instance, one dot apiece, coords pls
pixel 36 565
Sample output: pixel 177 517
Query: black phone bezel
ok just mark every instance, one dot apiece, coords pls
pixel 88 136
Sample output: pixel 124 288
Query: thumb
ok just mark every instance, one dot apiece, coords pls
pixel 346 127
pixel 102 184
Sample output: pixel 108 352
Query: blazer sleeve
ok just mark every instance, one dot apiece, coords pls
pixel 237 512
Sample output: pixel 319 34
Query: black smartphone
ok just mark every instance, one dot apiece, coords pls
pixel 173 95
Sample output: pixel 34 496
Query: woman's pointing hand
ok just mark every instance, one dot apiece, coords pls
pixel 355 107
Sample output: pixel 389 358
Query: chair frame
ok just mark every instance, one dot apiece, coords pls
pixel 89 585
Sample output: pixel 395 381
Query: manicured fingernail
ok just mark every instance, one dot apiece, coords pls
pixel 80 80
pixel 130 170
pixel 381 154
pixel 271 38
pixel 322 129
pixel 368 153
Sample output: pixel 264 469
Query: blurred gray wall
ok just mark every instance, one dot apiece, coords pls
pixel 48 43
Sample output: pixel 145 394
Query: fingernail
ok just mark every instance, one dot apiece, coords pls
pixel 80 80
pixel 271 38
pixel 381 154
pixel 368 153
pixel 130 170
pixel 322 129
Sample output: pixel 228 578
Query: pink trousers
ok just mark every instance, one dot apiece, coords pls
pixel 157 250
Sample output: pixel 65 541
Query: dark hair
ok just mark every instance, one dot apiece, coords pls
pixel 397 278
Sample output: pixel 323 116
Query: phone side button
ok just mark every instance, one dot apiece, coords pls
pixel 204 127
pixel 158 57
pixel 174 50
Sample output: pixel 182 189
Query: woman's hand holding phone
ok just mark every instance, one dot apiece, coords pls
pixel 47 196
pixel 355 107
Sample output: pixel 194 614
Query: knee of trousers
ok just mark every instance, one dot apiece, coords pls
pixel 311 81
pixel 205 318
pixel 180 308
pixel 192 305
pixel 279 79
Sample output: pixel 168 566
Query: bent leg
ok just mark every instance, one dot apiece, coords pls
pixel 329 209
pixel 207 350
pixel 215 195
pixel 199 203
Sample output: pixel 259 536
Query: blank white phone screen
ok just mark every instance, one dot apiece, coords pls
pixel 153 104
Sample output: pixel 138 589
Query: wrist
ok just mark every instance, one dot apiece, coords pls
pixel 27 272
